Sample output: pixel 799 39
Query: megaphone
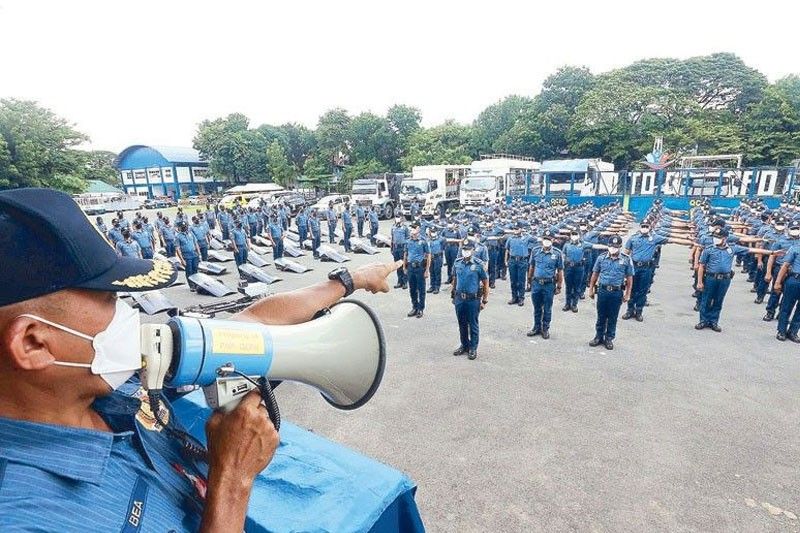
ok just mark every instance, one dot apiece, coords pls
pixel 341 353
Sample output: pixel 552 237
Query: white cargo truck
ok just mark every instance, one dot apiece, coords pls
pixel 494 177
pixel 380 190
pixel 434 187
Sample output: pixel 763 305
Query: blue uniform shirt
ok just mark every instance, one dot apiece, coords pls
pixel 546 263
pixel 792 257
pixel 302 220
pixel 187 243
pixel 360 212
pixel 373 218
pixel 168 233
pixel 643 247
pixel 239 237
pixel 64 479
pixel 225 219
pixel 144 239
pixel 123 224
pixel 400 234
pixel 437 245
pixel 313 223
pixel 102 228
pixel 517 246
pixel 469 275
pixel 783 243
pixel 416 250
pixel 575 252
pixel 115 235
pixel 200 232
pixel 128 249
pixel 720 260
pixel 347 218
pixel 331 216
pixel 275 230
pixel 613 271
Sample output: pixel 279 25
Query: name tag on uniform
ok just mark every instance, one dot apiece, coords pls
pixel 135 511
pixel 473 267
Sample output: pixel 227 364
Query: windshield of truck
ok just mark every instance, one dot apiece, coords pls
pixel 365 188
pixel 415 187
pixel 479 184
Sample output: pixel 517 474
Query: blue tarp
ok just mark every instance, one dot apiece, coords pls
pixel 313 484
pixel 564 165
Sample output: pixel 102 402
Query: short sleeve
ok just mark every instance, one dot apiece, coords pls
pixel 629 267
pixel 482 273
pixel 704 255
pixel 596 267
pixel 560 262
pixel 628 245
pixel 791 255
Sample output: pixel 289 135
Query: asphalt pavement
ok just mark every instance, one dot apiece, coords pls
pixel 673 430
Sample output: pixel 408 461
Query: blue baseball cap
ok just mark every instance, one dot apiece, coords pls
pixel 48 244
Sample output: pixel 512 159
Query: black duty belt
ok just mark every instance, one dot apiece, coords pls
pixel 543 281
pixel 437 255
pixel 574 263
pixel 415 265
pixel 726 275
pixel 643 264
pixel 611 288
pixel 467 296
pixel 794 275
pixel 517 258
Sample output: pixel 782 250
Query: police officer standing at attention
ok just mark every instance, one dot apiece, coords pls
pixel 115 233
pixel 145 240
pixel 188 252
pixel 788 282
pixel 168 236
pixel 714 276
pixel 347 226
pixel 330 216
pixel 437 245
pixel 612 281
pixel 240 243
pixel 275 234
pixel 374 224
pixel 575 253
pixel 416 264
pixel 316 233
pixel 545 275
pixel 400 236
pixel 517 260
pixel 360 217
pixel 302 225
pixel 101 227
pixel 470 294
pixel 203 235
pixel 225 223
pixel 453 239
pixel 127 247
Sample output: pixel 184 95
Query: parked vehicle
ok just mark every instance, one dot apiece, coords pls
pixel 434 187
pixel 338 204
pixel 380 190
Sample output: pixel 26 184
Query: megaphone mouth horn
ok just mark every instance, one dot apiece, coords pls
pixel 376 383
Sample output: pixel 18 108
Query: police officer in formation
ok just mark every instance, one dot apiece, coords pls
pixel 374 224
pixel 469 293
pixel 787 284
pixel 144 239
pixel 127 246
pixel 400 236
pixel 545 276
pixel 188 252
pixel 416 263
pixel 437 244
pixel 612 282
pixel 241 243
pixel 202 234
pixel 347 226
pixel 316 232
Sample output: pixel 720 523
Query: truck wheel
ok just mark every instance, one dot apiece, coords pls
pixel 388 212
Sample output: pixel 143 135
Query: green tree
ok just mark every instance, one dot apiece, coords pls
pixel 371 138
pixel 278 165
pixel 233 150
pixel 299 143
pixel 99 165
pixel 772 128
pixel 38 148
pixel 495 120
pixel 449 143
pixel 359 170
pixel 333 129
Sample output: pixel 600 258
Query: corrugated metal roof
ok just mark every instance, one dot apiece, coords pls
pixel 565 165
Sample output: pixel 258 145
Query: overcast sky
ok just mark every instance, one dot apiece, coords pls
pixel 129 72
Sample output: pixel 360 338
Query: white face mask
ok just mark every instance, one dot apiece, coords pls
pixel 794 232
pixel 613 250
pixel 717 240
pixel 467 254
pixel 397 221
pixel 644 231
pixel 780 228
pixel 574 238
pixel 583 228
pixel 547 243
pixel 117 349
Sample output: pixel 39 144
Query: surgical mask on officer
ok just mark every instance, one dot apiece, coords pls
pixel 780 227
pixel 645 230
pixel 582 227
pixel 117 349
pixel 547 243
pixel 415 235
pixel 718 240
pixel 574 238
pixel 613 250
pixel 467 254
pixel 794 233
pixel 397 221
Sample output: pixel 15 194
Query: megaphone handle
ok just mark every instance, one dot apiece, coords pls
pixel 270 402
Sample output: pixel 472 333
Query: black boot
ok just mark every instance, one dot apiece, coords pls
pixel 473 353
pixel 566 307
pixel 793 337
pixel 534 331
pixel 413 312
pixel 609 344
pixel 521 302
pixel 639 317
pixel 781 336
pixel 716 327
pixel 759 300
pixel 575 308
pixel 461 351
pixel 597 341
pixel 512 301
pixel 628 315
pixel 769 316
pixel 430 290
pixel 545 333
pixel 700 325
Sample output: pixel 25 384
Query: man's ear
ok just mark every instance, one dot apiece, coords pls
pixel 26 342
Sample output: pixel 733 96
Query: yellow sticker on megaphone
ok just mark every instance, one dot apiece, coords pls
pixel 237 342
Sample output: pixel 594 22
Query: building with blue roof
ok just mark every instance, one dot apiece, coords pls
pixel 151 171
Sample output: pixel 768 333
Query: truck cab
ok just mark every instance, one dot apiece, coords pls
pixel 380 190
pixel 494 177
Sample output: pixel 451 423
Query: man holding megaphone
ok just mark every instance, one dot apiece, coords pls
pixel 80 447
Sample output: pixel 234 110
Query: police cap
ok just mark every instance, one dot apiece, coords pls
pixel 615 241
